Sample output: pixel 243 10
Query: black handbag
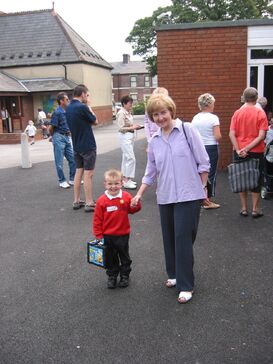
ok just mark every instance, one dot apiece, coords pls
pixel 243 175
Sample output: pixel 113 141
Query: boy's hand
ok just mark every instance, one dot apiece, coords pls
pixel 135 200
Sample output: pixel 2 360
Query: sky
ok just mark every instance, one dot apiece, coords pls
pixel 104 24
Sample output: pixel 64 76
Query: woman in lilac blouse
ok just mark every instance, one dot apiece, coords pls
pixel 179 163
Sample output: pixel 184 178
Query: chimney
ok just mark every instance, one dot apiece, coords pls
pixel 126 58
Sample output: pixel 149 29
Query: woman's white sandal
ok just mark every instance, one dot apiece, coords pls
pixel 184 297
pixel 170 283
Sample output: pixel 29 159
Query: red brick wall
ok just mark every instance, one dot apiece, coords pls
pixel 104 114
pixel 192 62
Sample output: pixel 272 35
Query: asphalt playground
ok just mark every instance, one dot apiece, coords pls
pixel 55 307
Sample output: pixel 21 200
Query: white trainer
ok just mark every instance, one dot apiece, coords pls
pixel 71 183
pixel 129 185
pixel 64 184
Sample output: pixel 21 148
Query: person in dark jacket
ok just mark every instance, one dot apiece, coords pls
pixel 80 119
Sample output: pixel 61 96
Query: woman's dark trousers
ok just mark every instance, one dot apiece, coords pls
pixel 213 154
pixel 179 223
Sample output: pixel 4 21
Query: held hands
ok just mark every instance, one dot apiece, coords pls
pixel 135 200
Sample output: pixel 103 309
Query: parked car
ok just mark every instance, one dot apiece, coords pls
pixel 118 106
pixel 115 109
pixel 114 112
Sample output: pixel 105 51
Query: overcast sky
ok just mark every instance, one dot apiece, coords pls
pixel 104 24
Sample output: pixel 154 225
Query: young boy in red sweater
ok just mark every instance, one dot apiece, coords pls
pixel 111 222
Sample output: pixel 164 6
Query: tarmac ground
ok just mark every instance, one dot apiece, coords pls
pixel 55 307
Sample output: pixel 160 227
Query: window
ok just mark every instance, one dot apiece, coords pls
pixel 14 105
pixel 253 77
pixel 154 82
pixel 147 81
pixel 261 54
pixel 133 81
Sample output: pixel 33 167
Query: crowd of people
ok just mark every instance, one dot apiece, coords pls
pixel 181 159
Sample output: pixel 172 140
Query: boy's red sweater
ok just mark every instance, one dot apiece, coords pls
pixel 111 216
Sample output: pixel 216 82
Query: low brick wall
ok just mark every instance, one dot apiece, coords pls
pixel 15 138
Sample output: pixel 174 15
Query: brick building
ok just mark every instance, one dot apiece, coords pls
pixel 221 58
pixel 132 78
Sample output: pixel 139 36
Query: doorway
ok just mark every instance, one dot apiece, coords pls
pixel 268 87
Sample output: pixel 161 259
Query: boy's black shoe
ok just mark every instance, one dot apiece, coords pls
pixel 124 282
pixel 112 282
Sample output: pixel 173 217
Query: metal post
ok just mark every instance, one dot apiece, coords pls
pixel 26 162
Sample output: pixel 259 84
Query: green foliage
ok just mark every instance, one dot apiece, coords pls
pixel 139 108
pixel 143 35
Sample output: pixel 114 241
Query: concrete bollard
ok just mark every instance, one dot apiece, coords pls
pixel 26 162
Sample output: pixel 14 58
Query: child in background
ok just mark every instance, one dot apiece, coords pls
pixel 31 131
pixel 111 222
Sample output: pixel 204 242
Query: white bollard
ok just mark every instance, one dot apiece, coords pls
pixel 26 162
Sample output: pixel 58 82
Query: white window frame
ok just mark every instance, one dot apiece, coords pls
pixel 131 81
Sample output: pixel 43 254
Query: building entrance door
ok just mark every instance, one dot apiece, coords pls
pixel 268 86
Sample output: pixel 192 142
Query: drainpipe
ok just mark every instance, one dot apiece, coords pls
pixel 65 71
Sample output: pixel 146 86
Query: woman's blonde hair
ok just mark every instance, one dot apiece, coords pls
pixel 158 102
pixel 205 100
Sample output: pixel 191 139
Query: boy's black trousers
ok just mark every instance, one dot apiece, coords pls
pixel 118 258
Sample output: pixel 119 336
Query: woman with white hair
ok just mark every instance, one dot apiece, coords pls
pixel 208 125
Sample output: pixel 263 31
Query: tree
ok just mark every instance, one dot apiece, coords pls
pixel 143 35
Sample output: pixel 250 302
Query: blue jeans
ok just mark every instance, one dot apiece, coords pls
pixel 212 151
pixel 63 148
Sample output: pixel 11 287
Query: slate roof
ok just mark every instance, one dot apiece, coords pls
pixel 48 84
pixel 132 67
pixel 42 37
pixel 9 83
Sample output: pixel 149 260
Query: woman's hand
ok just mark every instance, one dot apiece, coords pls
pixel 135 200
pixel 206 200
pixel 138 126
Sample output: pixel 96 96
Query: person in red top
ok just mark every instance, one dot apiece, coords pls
pixel 247 132
pixel 111 222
